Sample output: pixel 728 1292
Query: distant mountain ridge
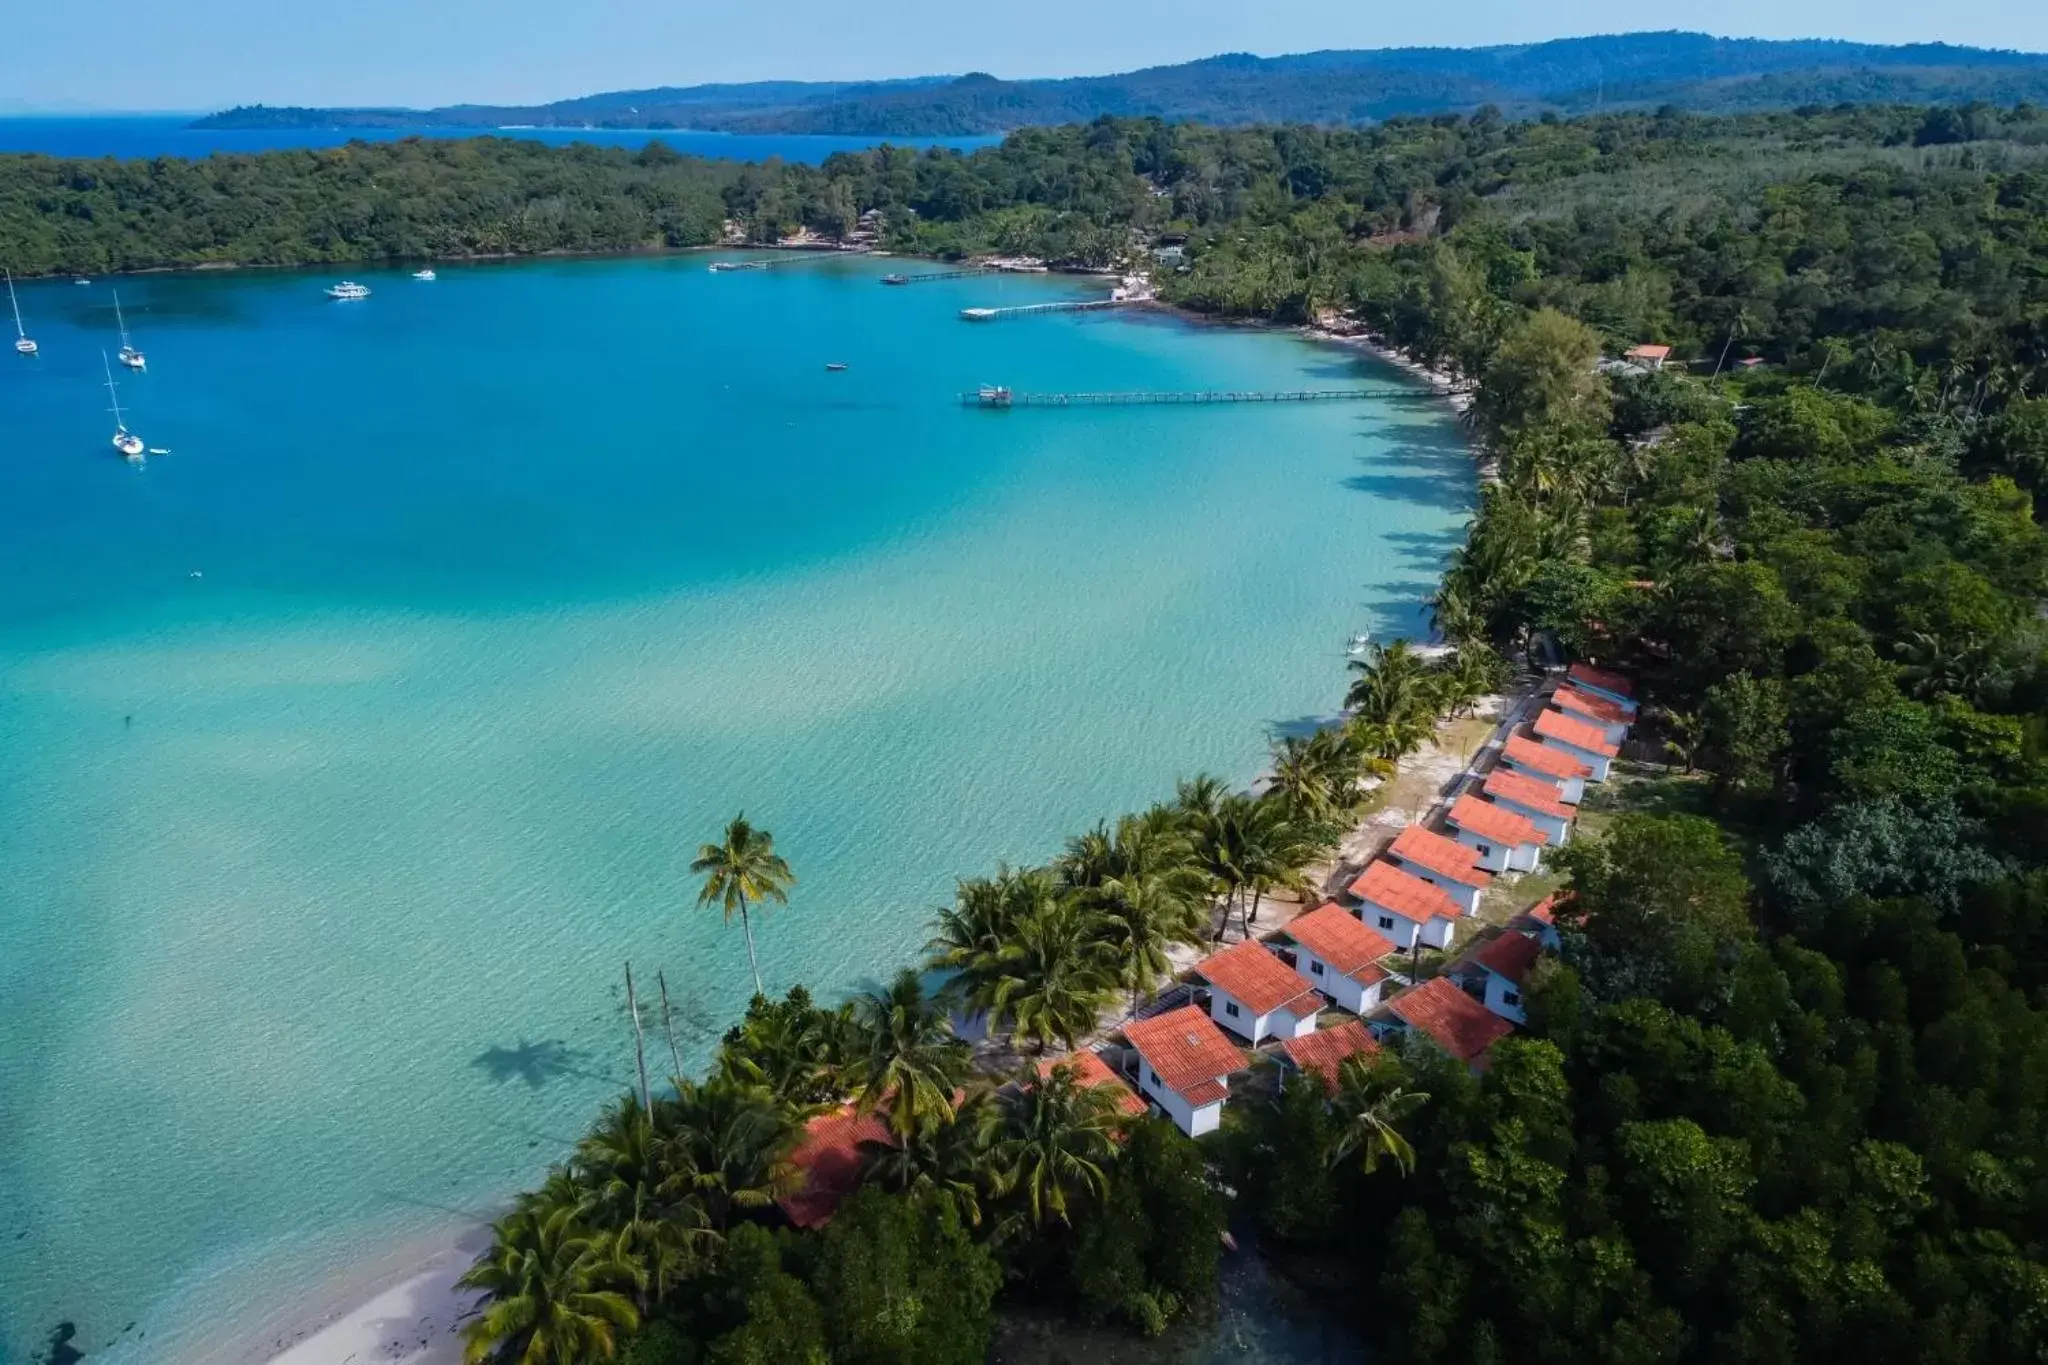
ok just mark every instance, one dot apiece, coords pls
pixel 1571 75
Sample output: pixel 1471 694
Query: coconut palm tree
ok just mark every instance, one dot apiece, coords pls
pixel 808 1057
pixel 1315 775
pixel 940 1161
pixel 1054 976
pixel 622 1161
pixel 1273 850
pixel 981 927
pixel 555 1291
pixel 914 1062
pixel 1389 684
pixel 725 1145
pixel 1373 1104
pixel 1051 1142
pixel 741 871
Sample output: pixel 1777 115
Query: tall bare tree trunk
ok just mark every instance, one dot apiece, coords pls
pixel 747 923
pixel 668 1024
pixel 639 1042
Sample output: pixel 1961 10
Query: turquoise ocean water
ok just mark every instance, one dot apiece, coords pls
pixel 347 751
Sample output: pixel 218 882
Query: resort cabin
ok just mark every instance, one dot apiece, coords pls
pixel 1448 1017
pixel 1498 971
pixel 1534 800
pixel 1554 766
pixel 1256 996
pixel 1446 862
pixel 1323 1052
pixel 1540 922
pixel 1337 954
pixel 1504 840
pixel 1603 682
pixel 1184 1065
pixel 1649 357
pixel 1091 1071
pixel 829 1161
pixel 1405 908
pixel 1594 710
pixel 1576 739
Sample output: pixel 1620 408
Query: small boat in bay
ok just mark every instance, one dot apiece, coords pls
pixel 348 290
pixel 426 276
pixel 128 356
pixel 125 441
pixel 22 343
pixel 835 365
pixel 895 279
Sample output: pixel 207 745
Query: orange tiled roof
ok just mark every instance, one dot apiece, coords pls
pixel 1524 790
pixel 1497 823
pixel 1543 911
pixel 1577 733
pixel 829 1156
pixel 1460 1025
pixel 1605 679
pixel 1404 893
pixel 1527 753
pixel 1252 976
pixel 1510 955
pixel 1091 1070
pixel 1589 705
pixel 1344 941
pixel 1648 352
pixel 1188 1051
pixel 1323 1051
pixel 1445 857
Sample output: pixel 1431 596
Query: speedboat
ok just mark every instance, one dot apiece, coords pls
pixel 348 289
pixel 1358 644
pixel 895 279
pixel 425 276
pixel 835 365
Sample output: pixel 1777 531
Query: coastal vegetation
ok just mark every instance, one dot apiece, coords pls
pixel 1783 1092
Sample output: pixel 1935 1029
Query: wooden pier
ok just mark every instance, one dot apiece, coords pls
pixel 930 275
pixel 994 397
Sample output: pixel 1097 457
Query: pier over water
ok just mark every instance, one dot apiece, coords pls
pixel 996 397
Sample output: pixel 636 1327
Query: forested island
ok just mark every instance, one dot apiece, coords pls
pixel 1782 1095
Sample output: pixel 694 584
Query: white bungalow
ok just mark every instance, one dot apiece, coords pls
pixel 1555 766
pixel 1604 683
pixel 1499 970
pixel 1405 908
pixel 1255 995
pixel 1183 1064
pixel 1323 1053
pixel 1335 952
pixel 1540 921
pixel 1576 739
pixel 1597 711
pixel 1449 864
pixel 1504 840
pixel 1535 801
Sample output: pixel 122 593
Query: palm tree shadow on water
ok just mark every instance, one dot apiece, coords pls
pixel 536 1064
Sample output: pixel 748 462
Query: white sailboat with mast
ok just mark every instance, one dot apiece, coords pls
pixel 127 442
pixel 22 344
pixel 129 356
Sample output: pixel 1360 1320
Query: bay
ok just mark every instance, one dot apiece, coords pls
pixel 153 135
pixel 349 750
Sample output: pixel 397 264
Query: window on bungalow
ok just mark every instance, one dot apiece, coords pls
pixel 1230 1008
pixel 1386 921
pixel 1315 969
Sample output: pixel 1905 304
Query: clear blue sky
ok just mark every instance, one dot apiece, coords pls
pixel 202 54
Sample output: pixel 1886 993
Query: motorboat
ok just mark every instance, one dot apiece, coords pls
pixel 23 345
pixel 348 290
pixel 835 365
pixel 425 276
pixel 1358 644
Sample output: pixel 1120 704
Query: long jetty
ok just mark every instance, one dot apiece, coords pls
pixel 931 275
pixel 1005 398
pixel 1023 310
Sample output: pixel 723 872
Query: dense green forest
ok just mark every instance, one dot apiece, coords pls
pixel 1693 71
pixel 1783 1095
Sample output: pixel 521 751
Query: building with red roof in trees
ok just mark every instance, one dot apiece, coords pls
pixel 1446 862
pixel 1339 955
pixel 1405 908
pixel 1524 755
pixel 1499 970
pixel 1614 686
pixel 1577 739
pixel 1453 1020
pixel 1648 356
pixel 1257 996
pixel 1534 800
pixel 1613 722
pixel 1184 1065
pixel 1504 839
pixel 1323 1052
pixel 829 1159
pixel 1090 1070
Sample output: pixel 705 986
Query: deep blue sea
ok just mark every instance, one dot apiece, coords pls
pixel 153 135
pixel 348 750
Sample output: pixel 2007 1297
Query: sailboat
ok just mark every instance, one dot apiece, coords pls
pixel 129 356
pixel 128 443
pixel 22 344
